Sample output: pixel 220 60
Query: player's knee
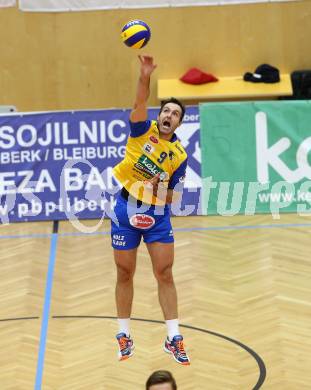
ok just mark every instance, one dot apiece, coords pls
pixel 124 273
pixel 164 275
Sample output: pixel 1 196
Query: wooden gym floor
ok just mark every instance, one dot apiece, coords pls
pixel 244 297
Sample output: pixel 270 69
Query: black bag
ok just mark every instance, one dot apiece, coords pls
pixel 301 83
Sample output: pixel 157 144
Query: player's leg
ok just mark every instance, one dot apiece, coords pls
pixel 125 261
pixel 125 241
pixel 160 244
pixel 162 257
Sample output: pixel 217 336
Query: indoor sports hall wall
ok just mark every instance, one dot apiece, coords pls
pixel 77 60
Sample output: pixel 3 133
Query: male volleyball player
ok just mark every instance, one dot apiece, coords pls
pixel 153 167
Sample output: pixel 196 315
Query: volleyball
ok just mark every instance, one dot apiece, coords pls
pixel 136 34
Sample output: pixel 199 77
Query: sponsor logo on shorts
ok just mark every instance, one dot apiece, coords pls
pixel 154 139
pixel 148 148
pixel 142 221
pixel 118 240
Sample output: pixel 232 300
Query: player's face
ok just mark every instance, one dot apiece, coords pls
pixel 169 118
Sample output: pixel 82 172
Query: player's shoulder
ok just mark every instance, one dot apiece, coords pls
pixel 139 129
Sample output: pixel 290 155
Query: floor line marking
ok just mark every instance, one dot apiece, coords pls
pixel 46 307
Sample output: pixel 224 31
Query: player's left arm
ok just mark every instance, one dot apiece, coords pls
pixel 176 183
pixel 173 192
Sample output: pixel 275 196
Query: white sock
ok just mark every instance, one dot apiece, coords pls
pixel 172 328
pixel 124 325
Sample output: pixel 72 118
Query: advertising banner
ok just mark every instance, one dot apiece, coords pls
pixel 58 165
pixel 256 157
pixel 87 5
pixel 7 3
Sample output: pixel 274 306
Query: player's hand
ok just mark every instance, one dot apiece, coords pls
pixel 155 180
pixel 153 184
pixel 146 65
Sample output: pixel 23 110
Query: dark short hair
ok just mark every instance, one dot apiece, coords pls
pixel 161 376
pixel 175 101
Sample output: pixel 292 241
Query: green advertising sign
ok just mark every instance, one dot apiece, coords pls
pixel 256 157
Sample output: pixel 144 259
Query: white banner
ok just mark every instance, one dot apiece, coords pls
pixel 88 5
pixel 7 3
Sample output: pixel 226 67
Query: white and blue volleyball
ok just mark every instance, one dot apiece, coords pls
pixel 136 34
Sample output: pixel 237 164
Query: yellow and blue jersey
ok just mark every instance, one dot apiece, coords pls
pixel 147 155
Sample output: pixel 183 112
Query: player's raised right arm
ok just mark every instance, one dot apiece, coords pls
pixel 139 112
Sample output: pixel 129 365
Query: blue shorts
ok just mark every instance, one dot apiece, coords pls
pixel 129 224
